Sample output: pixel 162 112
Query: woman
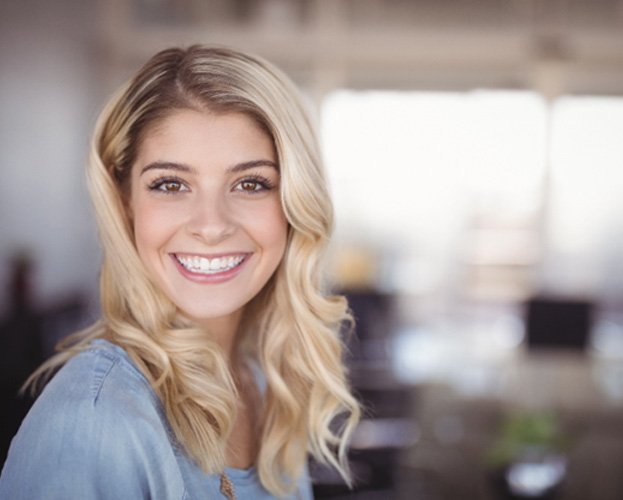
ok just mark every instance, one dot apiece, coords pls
pixel 216 367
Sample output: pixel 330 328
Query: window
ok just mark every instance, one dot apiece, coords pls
pixel 441 191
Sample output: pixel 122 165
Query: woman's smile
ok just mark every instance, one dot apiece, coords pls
pixel 206 265
pixel 210 270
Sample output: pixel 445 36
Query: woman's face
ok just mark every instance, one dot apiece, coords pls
pixel 206 209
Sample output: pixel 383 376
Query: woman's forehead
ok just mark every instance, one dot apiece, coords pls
pixel 194 137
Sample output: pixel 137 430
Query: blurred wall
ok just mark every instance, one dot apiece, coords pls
pixel 48 95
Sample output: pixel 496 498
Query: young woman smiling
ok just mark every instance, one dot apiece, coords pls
pixel 216 367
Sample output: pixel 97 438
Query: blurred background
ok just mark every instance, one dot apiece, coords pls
pixel 475 154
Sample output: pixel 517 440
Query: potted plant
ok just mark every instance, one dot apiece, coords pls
pixel 528 457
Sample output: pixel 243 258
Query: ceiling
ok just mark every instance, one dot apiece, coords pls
pixel 553 46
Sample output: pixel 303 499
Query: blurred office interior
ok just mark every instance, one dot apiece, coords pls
pixel 474 150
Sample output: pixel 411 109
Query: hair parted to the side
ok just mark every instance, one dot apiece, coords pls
pixel 291 326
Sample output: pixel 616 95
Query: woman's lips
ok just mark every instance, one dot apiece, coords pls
pixel 214 269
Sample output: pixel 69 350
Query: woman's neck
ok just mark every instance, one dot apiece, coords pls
pixel 224 331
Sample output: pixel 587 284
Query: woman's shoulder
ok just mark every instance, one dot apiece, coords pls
pixel 100 389
pixel 97 425
pixel 100 374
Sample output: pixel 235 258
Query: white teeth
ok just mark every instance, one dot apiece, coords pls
pixel 202 265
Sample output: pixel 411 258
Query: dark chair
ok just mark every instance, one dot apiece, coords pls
pixel 558 323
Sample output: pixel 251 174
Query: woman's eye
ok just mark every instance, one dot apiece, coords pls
pixel 253 185
pixel 250 186
pixel 171 186
pixel 168 186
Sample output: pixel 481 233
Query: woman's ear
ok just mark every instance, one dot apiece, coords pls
pixel 129 212
pixel 127 206
pixel 129 216
pixel 125 192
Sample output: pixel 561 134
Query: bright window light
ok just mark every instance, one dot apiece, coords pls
pixel 585 219
pixel 410 170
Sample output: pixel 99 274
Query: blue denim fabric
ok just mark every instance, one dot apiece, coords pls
pixel 98 432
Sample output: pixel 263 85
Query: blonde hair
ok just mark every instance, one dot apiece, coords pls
pixel 295 326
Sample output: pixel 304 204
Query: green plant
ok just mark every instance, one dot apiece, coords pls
pixel 527 435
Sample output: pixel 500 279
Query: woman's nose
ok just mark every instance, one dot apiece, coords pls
pixel 211 220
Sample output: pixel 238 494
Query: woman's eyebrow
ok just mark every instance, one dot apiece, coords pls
pixel 246 165
pixel 167 165
pixel 182 167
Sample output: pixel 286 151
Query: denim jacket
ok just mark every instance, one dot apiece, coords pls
pixel 98 431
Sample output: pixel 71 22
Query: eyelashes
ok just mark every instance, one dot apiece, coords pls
pixel 250 184
pixel 167 185
pixel 254 184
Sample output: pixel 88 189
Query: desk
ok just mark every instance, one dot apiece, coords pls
pixel 459 426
